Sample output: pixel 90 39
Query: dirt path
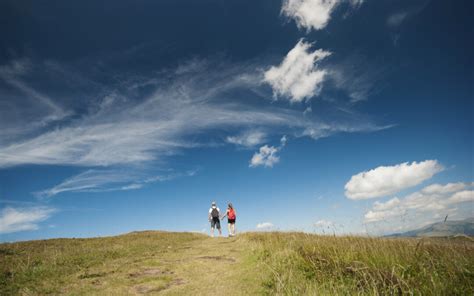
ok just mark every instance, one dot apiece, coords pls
pixel 214 266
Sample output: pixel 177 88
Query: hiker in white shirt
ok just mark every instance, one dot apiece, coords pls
pixel 214 218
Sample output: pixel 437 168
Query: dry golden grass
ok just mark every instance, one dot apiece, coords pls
pixel 304 264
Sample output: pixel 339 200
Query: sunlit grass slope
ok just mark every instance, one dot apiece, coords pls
pixel 250 264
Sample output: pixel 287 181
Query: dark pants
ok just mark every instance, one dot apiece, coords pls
pixel 215 222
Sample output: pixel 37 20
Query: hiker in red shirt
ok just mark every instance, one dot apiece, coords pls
pixel 231 215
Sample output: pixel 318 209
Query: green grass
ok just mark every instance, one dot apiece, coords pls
pixel 250 264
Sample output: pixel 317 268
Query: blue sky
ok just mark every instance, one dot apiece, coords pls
pixel 321 116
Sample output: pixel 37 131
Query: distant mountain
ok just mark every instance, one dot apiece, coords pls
pixel 448 228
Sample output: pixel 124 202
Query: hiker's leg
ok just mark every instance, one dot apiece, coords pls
pixel 229 227
pixel 233 228
pixel 218 222
pixel 212 231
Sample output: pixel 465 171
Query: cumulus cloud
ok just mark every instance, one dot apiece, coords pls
pixel 267 155
pixel 298 76
pixel 447 188
pixel 309 14
pixel 264 225
pixel 421 207
pixel 462 196
pixel 380 206
pixel 386 180
pixel 247 139
pixel 23 219
pixel 312 14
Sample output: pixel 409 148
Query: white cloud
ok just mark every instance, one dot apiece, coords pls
pixel 23 219
pixel 379 206
pixel 123 130
pixel 386 180
pixel 283 141
pixel 298 76
pixel 374 216
pixel 247 139
pixel 441 189
pixel 266 156
pixel 90 180
pixel 313 14
pixel 127 133
pixel 462 196
pixel 108 180
pixel 309 14
pixel 265 225
pixel 324 224
pixel 131 186
pixel 421 207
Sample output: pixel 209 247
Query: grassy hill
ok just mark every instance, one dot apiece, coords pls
pixel 443 229
pixel 250 264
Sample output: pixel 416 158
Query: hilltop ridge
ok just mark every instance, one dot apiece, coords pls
pixel 272 263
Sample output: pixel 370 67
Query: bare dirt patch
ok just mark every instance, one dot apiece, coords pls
pixel 218 258
pixel 145 289
pixel 150 272
pixel 88 275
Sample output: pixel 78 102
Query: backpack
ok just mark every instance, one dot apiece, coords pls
pixel 231 214
pixel 214 213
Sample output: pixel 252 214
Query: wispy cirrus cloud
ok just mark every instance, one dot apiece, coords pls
pixel 110 180
pixel 248 139
pixel 358 76
pixel 386 180
pixel 23 219
pixel 177 108
pixel 395 20
pixel 16 115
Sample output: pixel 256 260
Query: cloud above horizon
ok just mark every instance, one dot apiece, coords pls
pixel 427 205
pixel 23 219
pixel 298 77
pixel 264 226
pixel 324 224
pixel 386 180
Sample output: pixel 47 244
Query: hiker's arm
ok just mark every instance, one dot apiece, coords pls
pixel 224 216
